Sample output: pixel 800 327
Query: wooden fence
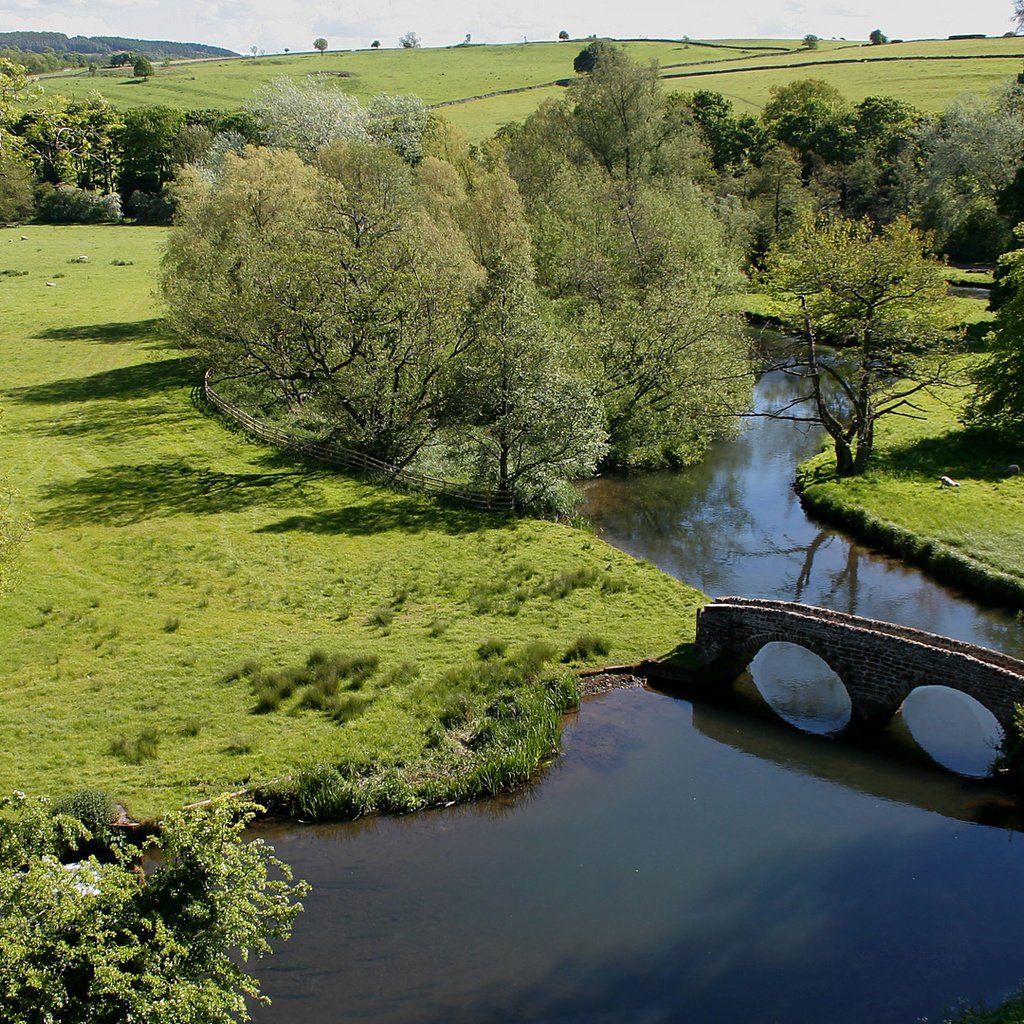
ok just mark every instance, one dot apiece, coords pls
pixel 360 462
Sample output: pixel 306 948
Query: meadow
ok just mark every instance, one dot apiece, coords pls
pixel 176 572
pixel 928 73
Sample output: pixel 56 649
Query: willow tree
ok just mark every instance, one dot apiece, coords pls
pixel 332 290
pixel 878 294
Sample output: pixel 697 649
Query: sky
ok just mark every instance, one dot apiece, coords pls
pixel 274 25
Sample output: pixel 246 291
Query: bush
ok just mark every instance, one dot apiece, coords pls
pixel 94 809
pixel 151 207
pixel 66 204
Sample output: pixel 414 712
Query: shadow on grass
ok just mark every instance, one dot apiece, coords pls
pixel 106 422
pixel 125 494
pixel 154 329
pixel 137 381
pixel 407 514
pixel 977 454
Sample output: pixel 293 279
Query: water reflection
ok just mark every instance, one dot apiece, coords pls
pixel 953 728
pixel 801 688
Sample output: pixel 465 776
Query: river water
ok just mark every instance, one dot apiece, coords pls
pixel 683 862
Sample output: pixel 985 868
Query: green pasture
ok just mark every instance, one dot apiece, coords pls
pixel 167 551
pixel 433 74
pixel 749 69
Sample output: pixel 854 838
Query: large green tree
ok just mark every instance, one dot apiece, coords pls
pixel 879 294
pixel 103 942
pixel 998 401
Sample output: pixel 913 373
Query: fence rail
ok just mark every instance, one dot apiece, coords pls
pixel 337 455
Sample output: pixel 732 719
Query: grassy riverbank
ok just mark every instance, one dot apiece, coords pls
pixel 179 579
pixel 971 537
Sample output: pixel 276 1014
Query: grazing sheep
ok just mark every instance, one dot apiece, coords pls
pixel 51 284
pixel 947 481
pixel 1011 470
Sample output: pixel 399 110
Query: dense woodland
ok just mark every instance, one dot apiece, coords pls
pixel 554 301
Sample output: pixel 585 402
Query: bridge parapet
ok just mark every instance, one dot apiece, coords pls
pixel 880 663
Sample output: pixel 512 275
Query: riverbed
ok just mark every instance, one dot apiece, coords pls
pixel 685 862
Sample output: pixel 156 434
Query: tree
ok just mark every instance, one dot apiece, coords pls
pixel 333 290
pixel 410 41
pixel 97 942
pixel 616 109
pixel 375 45
pixel 998 400
pixel 878 37
pixel 814 118
pixel 13 87
pixel 320 44
pixel 142 67
pixel 880 294
pixel 811 41
pixel 563 36
pixel 16 184
pixel 307 116
pixel 522 420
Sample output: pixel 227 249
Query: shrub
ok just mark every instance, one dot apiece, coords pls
pixel 66 204
pixel 586 647
pixel 491 649
pixel 94 809
pixel 151 207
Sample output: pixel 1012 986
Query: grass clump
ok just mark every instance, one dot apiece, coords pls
pixel 586 648
pixel 491 648
pixel 138 748
pixel 171 624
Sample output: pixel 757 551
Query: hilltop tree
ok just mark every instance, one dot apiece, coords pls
pixel 563 36
pixel 811 41
pixel 878 37
pixel 410 41
pixel 880 294
pixel 320 44
pixel 375 45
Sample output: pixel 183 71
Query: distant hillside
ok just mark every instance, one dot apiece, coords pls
pixel 40 42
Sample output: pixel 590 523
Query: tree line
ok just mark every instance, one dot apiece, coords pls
pixel 627 217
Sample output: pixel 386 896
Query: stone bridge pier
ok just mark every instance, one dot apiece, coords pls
pixel 879 663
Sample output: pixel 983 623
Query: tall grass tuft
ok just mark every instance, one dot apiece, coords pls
pixel 136 749
pixel 586 647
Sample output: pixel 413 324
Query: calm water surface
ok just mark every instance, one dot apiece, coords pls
pixel 681 862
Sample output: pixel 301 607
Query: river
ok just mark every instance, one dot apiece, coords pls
pixel 684 862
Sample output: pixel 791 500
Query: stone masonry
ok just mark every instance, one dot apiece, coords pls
pixel 878 662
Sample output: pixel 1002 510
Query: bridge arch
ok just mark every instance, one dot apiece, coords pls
pixel 879 663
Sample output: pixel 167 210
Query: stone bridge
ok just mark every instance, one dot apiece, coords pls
pixel 878 662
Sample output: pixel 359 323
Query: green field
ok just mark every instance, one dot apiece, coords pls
pixel 167 551
pixel 746 71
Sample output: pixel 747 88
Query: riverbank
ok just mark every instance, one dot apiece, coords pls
pixel 970 537
pixel 197 613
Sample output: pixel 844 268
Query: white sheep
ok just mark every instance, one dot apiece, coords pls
pixel 947 481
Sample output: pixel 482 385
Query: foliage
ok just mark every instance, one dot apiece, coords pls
pixel 811 41
pixel 142 67
pixel 103 942
pixel 320 44
pixel 998 401
pixel 16 184
pixel 878 292
pixel 307 116
pixel 877 37
pixel 66 204
pixel 410 41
